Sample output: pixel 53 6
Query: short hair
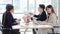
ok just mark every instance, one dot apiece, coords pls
pixel 42 6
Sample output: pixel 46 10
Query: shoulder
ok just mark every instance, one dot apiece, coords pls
pixel 44 12
pixel 7 14
pixel 53 14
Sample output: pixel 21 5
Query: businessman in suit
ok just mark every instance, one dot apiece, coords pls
pixel 42 15
pixel 8 21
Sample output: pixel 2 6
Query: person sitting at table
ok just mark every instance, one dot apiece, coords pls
pixel 52 17
pixel 42 15
pixel 8 21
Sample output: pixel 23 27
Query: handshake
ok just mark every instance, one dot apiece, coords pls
pixel 27 17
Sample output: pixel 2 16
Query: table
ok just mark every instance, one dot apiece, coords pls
pixel 31 26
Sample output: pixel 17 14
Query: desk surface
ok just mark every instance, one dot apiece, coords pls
pixel 31 26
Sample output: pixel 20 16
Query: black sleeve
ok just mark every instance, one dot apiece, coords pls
pixel 42 17
pixel 10 20
pixel 14 20
pixel 36 16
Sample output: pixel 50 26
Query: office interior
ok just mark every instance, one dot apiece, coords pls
pixel 23 7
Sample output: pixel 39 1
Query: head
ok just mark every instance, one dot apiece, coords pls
pixel 50 9
pixel 41 7
pixel 9 8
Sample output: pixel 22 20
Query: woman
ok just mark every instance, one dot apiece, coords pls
pixel 52 17
pixel 8 21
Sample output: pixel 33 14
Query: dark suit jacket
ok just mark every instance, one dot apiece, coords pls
pixel 41 17
pixel 8 20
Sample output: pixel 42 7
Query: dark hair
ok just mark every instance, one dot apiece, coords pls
pixel 9 7
pixel 51 7
pixel 42 6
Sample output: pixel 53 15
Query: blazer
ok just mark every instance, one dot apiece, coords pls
pixel 8 20
pixel 41 17
pixel 52 19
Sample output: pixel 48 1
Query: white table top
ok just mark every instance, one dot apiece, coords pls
pixel 22 27
pixel 31 26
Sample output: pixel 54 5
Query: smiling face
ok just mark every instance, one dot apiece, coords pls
pixel 49 10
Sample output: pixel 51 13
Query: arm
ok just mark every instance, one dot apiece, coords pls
pixel 42 17
pixel 37 16
pixel 10 20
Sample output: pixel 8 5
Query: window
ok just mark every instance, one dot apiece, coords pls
pixel 45 2
pixel 3 5
pixel 5 1
pixel 2 8
pixel 22 7
pixel 31 5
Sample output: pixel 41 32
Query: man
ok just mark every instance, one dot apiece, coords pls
pixel 42 15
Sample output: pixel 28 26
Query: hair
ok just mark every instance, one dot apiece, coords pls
pixel 9 7
pixel 42 6
pixel 51 7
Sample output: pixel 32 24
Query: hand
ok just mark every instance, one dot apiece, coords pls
pixel 18 20
pixel 31 13
pixel 26 17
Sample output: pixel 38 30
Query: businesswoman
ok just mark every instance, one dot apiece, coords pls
pixel 8 21
pixel 52 17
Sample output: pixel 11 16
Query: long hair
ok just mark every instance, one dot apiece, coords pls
pixel 8 8
pixel 51 7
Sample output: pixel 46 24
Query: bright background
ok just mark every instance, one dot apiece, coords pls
pixel 22 7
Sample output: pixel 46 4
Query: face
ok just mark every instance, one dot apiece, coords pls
pixel 12 10
pixel 40 9
pixel 48 10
